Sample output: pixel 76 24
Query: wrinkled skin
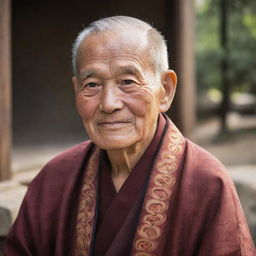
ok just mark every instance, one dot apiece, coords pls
pixel 118 94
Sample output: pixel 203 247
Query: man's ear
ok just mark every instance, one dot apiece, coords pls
pixel 75 83
pixel 169 82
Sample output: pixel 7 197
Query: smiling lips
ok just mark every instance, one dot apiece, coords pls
pixel 113 124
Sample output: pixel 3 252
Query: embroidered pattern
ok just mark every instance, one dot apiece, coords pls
pixel 86 211
pixel 157 198
pixel 155 206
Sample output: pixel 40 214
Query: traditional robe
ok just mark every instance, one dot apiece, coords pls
pixel 178 201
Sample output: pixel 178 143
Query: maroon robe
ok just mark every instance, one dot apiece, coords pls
pixel 185 205
pixel 120 204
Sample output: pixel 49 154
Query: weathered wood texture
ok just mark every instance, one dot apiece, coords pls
pixel 5 90
pixel 180 37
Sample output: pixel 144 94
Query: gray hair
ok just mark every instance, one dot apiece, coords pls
pixel 157 45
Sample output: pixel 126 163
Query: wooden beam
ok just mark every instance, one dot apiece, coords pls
pixel 180 37
pixel 5 89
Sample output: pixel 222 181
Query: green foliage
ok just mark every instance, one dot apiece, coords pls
pixel 241 44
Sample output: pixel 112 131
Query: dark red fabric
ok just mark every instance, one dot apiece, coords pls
pixel 206 218
pixel 47 218
pixel 114 207
pixel 204 215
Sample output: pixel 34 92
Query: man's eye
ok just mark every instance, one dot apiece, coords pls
pixel 91 85
pixel 127 82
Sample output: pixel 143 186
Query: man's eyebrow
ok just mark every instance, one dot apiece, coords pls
pixel 122 70
pixel 86 74
pixel 129 70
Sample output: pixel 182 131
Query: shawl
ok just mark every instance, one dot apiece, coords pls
pixel 189 206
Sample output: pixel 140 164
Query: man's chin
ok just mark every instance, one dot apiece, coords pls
pixel 114 143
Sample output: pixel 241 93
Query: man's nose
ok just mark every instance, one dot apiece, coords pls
pixel 111 99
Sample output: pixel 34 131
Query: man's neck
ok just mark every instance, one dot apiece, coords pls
pixel 124 160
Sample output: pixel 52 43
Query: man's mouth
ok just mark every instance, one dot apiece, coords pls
pixel 112 124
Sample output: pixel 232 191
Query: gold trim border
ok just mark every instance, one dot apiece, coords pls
pixel 157 198
pixel 87 208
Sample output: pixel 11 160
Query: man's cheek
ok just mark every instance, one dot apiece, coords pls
pixel 139 103
pixel 84 110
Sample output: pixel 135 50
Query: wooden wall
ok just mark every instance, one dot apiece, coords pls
pixel 42 35
pixel 5 89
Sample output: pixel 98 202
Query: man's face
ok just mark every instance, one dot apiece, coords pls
pixel 117 92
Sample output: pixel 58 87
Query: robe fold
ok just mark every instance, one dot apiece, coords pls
pixel 177 201
pixel 128 199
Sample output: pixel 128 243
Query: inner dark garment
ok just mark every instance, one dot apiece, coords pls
pixel 118 213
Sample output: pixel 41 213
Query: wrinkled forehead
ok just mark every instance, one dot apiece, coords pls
pixel 109 43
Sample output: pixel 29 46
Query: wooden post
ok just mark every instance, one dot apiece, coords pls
pixel 180 37
pixel 224 65
pixel 5 89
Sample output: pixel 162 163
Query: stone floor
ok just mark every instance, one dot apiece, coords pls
pixel 237 147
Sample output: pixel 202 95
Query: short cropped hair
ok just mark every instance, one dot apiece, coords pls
pixel 157 46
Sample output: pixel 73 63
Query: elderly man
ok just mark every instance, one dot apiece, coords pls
pixel 138 187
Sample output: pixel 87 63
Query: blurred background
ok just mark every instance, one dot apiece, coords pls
pixel 212 46
pixel 225 73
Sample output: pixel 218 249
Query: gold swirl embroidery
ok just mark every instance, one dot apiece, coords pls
pixel 154 206
pixel 164 181
pixel 146 245
pixel 86 211
pixel 157 198
pixel 141 254
pixel 167 166
pixel 149 231
pixel 175 148
pixel 157 219
pixel 160 193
